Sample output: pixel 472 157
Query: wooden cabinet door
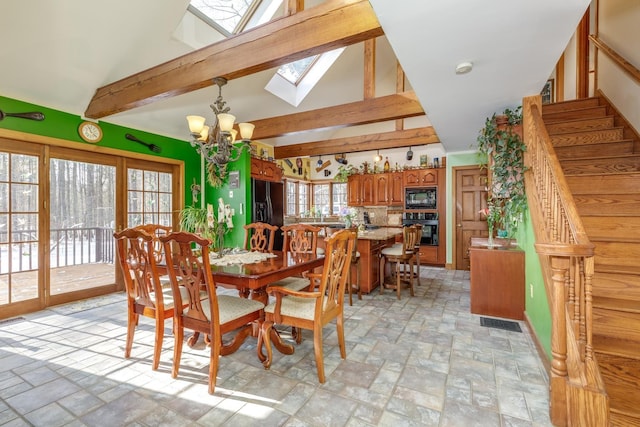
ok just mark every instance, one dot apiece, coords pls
pixel 420 177
pixel 265 170
pixel 396 189
pixel 354 190
pixel 367 185
pixel 381 189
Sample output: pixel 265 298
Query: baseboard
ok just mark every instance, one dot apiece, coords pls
pixel 542 354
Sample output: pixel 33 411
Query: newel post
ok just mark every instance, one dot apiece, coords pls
pixel 558 382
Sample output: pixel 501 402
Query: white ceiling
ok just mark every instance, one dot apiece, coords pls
pixel 57 53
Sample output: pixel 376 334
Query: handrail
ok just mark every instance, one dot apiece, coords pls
pixel 628 67
pixel 567 262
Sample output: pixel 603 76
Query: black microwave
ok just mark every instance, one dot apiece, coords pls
pixel 421 198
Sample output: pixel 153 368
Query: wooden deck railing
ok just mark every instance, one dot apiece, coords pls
pixel 577 394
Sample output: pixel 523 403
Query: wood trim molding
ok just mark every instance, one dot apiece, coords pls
pixel 330 25
pixel 354 144
pixel 381 109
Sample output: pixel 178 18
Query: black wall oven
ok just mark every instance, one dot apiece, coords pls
pixel 429 223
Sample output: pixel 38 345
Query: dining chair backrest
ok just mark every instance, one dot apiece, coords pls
pixel 259 236
pixel 300 238
pixel 337 261
pixel 156 231
pixel 410 239
pixel 136 256
pixel 187 257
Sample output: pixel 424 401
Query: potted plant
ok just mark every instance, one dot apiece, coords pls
pixel 501 150
pixel 343 173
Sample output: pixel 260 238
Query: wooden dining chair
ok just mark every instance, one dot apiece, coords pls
pixel 299 239
pixel 145 294
pixel 259 236
pixel 157 230
pixel 313 309
pixel 187 256
pixel 402 261
pixel 355 262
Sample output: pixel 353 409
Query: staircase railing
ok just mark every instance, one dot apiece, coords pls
pixel 577 393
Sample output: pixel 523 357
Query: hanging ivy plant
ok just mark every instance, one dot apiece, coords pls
pixel 501 150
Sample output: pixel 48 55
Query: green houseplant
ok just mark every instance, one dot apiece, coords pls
pixel 501 150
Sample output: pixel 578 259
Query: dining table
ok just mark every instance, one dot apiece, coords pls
pixel 251 280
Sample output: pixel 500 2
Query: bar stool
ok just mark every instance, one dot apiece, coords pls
pixel 401 257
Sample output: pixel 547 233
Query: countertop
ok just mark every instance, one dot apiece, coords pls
pixel 382 233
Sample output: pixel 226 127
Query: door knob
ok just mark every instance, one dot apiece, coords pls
pixel 459 225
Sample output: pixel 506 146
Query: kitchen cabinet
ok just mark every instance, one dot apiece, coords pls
pixel 370 261
pixel 367 185
pixel 265 170
pixel 354 190
pixel 396 189
pixel 420 177
pixel 497 281
pixel 381 189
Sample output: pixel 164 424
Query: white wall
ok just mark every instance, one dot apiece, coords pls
pixel 618 27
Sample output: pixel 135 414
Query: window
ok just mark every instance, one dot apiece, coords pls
pixel 339 197
pixel 297 198
pixel 295 71
pixel 321 199
pixel 292 198
pixel 234 16
pixel 303 197
pixel 149 197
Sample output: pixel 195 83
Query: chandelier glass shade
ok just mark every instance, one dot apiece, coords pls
pixel 216 143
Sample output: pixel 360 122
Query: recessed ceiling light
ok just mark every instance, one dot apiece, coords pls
pixel 464 67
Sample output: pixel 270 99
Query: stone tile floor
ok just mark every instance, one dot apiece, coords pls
pixel 421 361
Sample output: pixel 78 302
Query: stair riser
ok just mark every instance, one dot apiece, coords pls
pixel 607 204
pixel 626 183
pixel 580 125
pixel 575 114
pixel 619 324
pixel 621 371
pixel 571 105
pixel 616 148
pixel 589 137
pixel 624 286
pixel 613 227
pixel 605 165
pixel 622 420
pixel 617 253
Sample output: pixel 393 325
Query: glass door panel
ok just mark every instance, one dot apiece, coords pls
pixel 19 187
pixel 150 197
pixel 82 219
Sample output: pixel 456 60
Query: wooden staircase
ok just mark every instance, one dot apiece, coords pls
pixel 600 156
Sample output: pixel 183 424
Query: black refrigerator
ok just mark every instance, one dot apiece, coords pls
pixel 268 206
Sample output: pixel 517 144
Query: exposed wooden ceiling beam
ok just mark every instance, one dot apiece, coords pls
pixel 354 144
pixel 384 108
pixel 330 25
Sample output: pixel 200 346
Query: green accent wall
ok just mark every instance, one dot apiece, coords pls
pixel 536 307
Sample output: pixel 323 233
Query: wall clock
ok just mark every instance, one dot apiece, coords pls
pixel 90 132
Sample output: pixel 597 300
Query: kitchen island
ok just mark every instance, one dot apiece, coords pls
pixel 370 244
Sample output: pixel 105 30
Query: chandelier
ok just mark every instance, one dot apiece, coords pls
pixel 216 143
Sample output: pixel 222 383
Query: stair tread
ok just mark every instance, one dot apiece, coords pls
pixel 585 175
pixel 604 157
pixel 614 239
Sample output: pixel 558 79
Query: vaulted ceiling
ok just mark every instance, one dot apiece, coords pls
pixel 90 58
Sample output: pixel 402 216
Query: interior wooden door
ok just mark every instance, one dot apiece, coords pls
pixel 471 197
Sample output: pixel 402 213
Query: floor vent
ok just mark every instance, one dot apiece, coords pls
pixel 507 325
pixel 12 320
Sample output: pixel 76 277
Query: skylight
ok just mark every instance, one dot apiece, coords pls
pixel 295 71
pixel 229 15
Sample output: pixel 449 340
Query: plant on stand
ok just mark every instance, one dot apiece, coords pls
pixel 203 222
pixel 493 214
pixel 501 150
